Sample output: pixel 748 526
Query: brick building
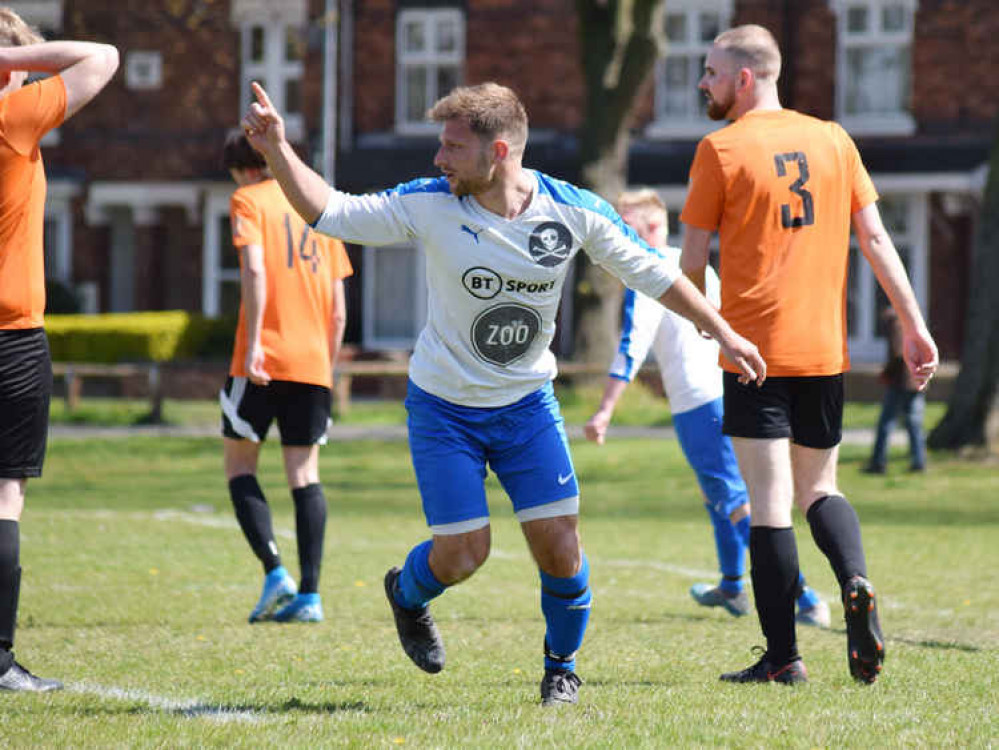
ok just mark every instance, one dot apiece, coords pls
pixel 137 200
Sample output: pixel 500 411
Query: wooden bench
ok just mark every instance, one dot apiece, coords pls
pixel 73 374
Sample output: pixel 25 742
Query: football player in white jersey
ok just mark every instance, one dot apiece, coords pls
pixel 692 381
pixel 498 239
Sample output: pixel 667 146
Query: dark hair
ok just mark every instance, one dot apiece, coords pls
pixel 237 153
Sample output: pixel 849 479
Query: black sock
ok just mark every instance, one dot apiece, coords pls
pixel 310 526
pixel 254 518
pixel 836 530
pixel 773 554
pixel 10 587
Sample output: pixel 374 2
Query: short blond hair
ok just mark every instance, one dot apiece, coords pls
pixel 644 199
pixel 752 47
pixel 491 111
pixel 14 32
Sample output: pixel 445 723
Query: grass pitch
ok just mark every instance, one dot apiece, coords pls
pixel 138 584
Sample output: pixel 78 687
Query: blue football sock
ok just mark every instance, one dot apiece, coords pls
pixel 807 598
pixel 731 541
pixel 417 583
pixel 565 603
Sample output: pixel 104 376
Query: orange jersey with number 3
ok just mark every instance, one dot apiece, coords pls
pixel 25 116
pixel 780 188
pixel 300 266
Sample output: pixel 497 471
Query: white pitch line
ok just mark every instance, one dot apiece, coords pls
pixel 189 708
pixel 202 519
pixel 208 520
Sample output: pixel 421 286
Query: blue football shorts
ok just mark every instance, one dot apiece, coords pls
pixel 711 456
pixel 524 444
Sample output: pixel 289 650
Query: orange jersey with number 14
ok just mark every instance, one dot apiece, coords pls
pixel 780 188
pixel 301 266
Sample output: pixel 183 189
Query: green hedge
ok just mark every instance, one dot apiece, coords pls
pixel 138 336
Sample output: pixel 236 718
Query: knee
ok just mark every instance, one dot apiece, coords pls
pixel 562 556
pixel 457 559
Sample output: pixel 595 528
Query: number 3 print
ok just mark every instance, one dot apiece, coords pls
pixel 797 187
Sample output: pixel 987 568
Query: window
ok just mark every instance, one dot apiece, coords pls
pixel 394 296
pixel 143 70
pixel 904 217
pixel 430 53
pixel 873 68
pixel 689 28
pixel 273 55
pixel 57 235
pixel 220 263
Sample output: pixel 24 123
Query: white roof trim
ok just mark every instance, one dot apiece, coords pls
pixel 292 12
pixel 929 182
pixel 972 182
pixel 143 198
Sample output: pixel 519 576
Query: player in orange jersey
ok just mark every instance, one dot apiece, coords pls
pixel 781 189
pixel 28 112
pixel 291 324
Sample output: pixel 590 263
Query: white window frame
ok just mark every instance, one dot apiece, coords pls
pixel 370 301
pixel 59 210
pixel 213 275
pixel 894 123
pixel 274 70
pixel 865 343
pixel 144 70
pixel 430 58
pixel 697 123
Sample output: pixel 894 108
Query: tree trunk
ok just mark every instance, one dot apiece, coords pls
pixel 972 417
pixel 620 40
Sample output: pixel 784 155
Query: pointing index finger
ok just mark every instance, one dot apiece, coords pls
pixel 261 95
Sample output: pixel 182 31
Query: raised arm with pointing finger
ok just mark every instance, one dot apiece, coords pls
pixel 498 239
pixel 304 188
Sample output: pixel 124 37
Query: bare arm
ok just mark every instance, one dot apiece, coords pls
pixel 595 428
pixel 338 321
pixel 253 284
pixel 694 258
pixel 918 348
pixel 85 67
pixel 304 188
pixel 684 299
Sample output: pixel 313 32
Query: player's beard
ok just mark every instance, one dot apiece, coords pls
pixel 718 109
pixel 475 184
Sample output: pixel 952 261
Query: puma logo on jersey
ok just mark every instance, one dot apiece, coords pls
pixel 474 232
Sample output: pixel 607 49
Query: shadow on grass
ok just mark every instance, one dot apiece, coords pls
pixel 248 712
pixel 938 645
pixel 928 643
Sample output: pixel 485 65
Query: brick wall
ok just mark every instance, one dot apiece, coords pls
pixel 954 65
pixel 175 132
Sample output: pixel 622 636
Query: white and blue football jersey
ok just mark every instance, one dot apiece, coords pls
pixel 494 284
pixel 688 362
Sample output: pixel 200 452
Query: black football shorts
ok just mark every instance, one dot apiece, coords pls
pixel 809 410
pixel 302 411
pixel 25 392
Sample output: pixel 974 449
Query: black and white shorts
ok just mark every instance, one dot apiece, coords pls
pixel 302 411
pixel 25 392
pixel 809 410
